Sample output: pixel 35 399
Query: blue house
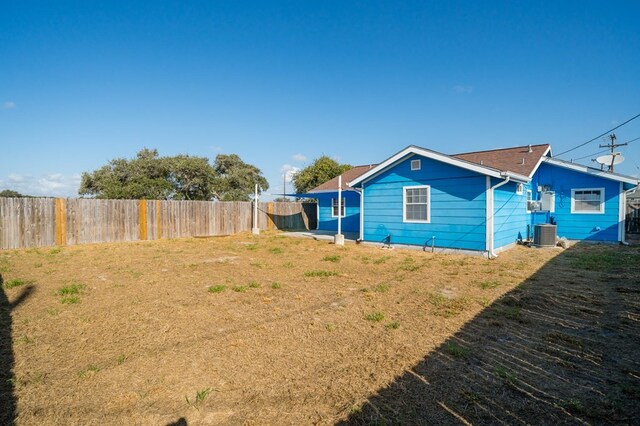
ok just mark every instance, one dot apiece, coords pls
pixel 479 201
pixel 327 197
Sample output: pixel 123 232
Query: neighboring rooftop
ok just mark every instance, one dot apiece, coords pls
pixel 521 159
pixel 348 176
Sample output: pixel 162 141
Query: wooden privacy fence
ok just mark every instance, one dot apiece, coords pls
pixel 38 222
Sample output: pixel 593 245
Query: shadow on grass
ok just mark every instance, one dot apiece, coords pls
pixel 561 348
pixel 7 397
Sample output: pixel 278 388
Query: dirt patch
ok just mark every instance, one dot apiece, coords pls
pixel 272 330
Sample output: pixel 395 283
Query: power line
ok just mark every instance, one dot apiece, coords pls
pixel 603 151
pixel 599 136
pixel 590 155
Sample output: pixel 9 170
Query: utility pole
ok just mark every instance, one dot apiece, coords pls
pixel 284 183
pixel 613 145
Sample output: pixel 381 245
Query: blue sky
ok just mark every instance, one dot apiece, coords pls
pixel 281 83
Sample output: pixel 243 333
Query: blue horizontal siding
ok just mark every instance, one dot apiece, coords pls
pixel 351 221
pixel 457 206
pixel 510 214
pixel 577 226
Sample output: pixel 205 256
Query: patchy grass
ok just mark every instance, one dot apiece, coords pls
pixel 486 285
pixel 332 258
pixel 375 316
pixel 16 282
pixel 254 284
pixel 392 325
pixel 217 288
pixel 455 350
pixel 300 349
pixel 320 273
pixel 90 370
pixel 71 289
pixel 448 307
pixel 240 288
pixel 276 250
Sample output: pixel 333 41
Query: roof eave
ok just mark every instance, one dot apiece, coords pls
pixel 415 150
pixel 592 171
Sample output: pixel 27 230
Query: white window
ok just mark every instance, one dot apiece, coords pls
pixel 529 200
pixel 519 188
pixel 416 164
pixel 334 207
pixel 587 200
pixel 416 204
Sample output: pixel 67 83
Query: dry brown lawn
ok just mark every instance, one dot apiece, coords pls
pixel 278 330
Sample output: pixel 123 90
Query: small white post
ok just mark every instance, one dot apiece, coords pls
pixel 338 239
pixel 255 230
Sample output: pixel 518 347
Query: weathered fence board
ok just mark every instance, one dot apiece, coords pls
pixel 27 222
pixel 38 222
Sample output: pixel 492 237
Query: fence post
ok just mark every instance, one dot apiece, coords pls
pixel 61 222
pixel 142 204
pixel 158 220
pixel 270 216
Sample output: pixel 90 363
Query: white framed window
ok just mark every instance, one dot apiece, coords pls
pixel 519 188
pixel 416 164
pixel 529 198
pixel 416 204
pixel 587 200
pixel 334 207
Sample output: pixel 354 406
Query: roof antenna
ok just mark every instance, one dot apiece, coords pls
pixel 529 150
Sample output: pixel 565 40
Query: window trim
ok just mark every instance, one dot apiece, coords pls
pixel 344 207
pixel 528 197
pixel 404 204
pixel 418 163
pixel 573 201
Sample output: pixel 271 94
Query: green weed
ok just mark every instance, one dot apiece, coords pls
pixel 409 265
pixel 70 289
pixel 69 300
pixel 375 316
pixel 447 307
pixel 485 285
pixel 456 350
pixel 55 250
pixel 381 288
pixel 16 282
pixel 217 288
pixel 91 369
pixel 254 284
pixel 5 265
pixel 276 250
pixel 506 375
pixel 239 289
pixel 320 273
pixel 573 404
pixel 121 359
pixel 275 285
pixel 392 325
pixel 381 260
pixel 201 395
pixel 333 258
